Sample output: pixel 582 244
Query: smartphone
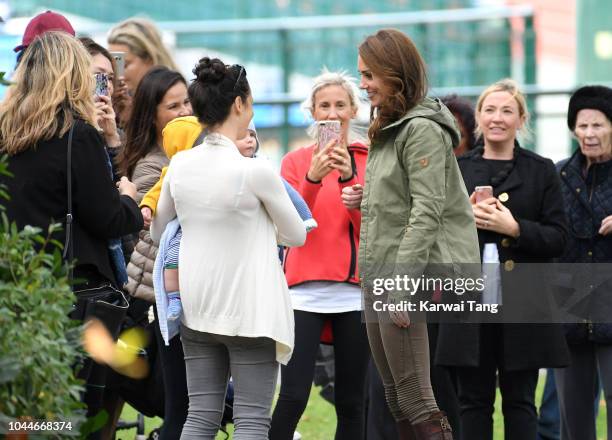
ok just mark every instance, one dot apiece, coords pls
pixel 119 58
pixel 483 193
pixel 326 131
pixel 101 84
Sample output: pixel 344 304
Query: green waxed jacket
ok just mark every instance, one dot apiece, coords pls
pixel 416 214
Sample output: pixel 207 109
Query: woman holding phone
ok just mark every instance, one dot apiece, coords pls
pixel 142 47
pixel 522 221
pixel 415 212
pixel 322 275
pixel 103 67
pixel 52 94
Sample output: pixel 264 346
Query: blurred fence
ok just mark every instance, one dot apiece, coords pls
pixel 462 47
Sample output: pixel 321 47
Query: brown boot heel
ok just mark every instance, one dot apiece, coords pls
pixel 434 428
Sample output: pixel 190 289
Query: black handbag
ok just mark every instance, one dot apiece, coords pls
pixel 103 302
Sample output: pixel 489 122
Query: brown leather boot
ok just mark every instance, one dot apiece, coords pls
pixel 434 428
pixel 405 431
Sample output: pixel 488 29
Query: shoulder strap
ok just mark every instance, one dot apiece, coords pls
pixel 200 138
pixel 68 243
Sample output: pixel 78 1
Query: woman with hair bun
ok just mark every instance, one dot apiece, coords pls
pixel 233 211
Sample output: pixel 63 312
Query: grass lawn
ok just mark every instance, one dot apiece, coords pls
pixel 319 420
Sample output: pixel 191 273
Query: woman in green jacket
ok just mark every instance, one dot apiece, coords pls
pixel 415 213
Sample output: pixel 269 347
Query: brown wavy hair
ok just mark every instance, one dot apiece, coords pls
pixel 393 57
pixel 51 87
pixel 141 130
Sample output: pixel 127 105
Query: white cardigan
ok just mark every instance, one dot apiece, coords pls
pixel 233 211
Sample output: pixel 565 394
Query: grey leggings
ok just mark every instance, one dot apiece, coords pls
pixel 209 358
pixel 402 358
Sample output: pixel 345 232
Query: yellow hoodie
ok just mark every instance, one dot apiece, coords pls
pixel 178 135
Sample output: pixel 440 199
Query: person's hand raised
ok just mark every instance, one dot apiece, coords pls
pixel 320 164
pixel 105 115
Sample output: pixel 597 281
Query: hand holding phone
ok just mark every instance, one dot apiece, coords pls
pixel 326 132
pixel 483 193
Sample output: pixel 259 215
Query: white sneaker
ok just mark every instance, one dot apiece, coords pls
pixel 297 436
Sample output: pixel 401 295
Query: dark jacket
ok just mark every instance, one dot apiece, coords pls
pixel 588 201
pixel 533 196
pixel 39 197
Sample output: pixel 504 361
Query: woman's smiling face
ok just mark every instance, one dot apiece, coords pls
pixel 499 118
pixel 371 83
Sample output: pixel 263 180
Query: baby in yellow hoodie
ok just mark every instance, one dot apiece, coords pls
pixel 179 134
pixel 182 134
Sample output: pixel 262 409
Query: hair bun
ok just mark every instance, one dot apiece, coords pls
pixel 210 70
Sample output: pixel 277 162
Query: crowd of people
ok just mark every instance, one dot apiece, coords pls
pixel 165 196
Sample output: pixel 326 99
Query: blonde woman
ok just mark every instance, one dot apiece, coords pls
pixel 322 275
pixel 142 44
pixel 51 98
pixel 522 222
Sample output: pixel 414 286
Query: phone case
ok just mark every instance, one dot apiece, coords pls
pixel 483 193
pixel 326 131
pixel 119 58
pixel 101 84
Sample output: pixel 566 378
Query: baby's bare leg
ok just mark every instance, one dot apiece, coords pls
pixel 171 281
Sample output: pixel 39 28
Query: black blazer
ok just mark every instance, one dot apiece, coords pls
pixel 38 193
pixel 533 194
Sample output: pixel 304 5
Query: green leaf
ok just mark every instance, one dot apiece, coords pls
pixel 4 81
pixel 94 424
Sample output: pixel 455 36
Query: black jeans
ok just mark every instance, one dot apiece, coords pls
pixel 175 384
pixel 351 361
pixel 477 386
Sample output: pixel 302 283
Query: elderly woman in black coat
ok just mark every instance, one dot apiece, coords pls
pixel 521 222
pixel 587 195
